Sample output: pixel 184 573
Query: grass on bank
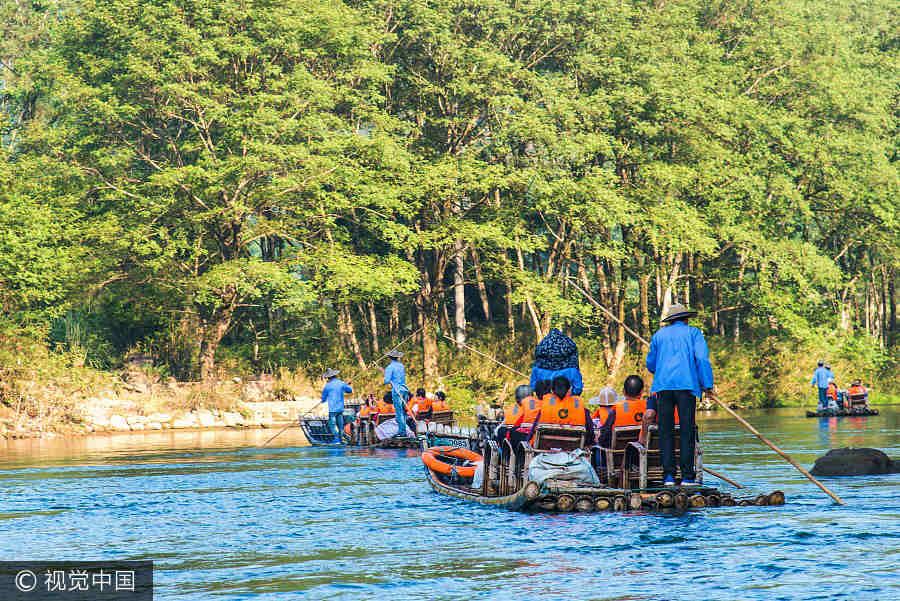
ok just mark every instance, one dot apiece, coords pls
pixel 50 385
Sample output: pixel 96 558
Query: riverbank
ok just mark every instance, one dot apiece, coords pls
pixel 46 393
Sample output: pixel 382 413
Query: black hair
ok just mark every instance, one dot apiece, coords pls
pixel 420 392
pixel 634 386
pixel 522 392
pixel 388 397
pixel 440 395
pixel 541 388
pixel 561 386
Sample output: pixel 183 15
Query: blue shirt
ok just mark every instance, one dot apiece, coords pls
pixel 572 373
pixel 395 375
pixel 820 377
pixel 679 359
pixel 333 394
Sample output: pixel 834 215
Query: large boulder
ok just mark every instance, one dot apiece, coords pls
pixel 854 462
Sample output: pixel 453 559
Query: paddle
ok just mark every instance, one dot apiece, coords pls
pixel 308 411
pixel 713 396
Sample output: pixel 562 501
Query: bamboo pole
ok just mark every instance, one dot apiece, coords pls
pixel 486 356
pixel 375 362
pixel 356 375
pixel 286 427
pixel 743 422
pixel 721 477
pixel 768 443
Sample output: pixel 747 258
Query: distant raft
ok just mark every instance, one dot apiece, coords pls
pixel 856 412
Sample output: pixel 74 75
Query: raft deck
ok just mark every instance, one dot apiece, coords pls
pixel 556 497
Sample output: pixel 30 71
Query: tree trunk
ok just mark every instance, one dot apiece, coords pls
pixel 535 320
pixel 429 349
pixel 459 295
pixel 510 318
pixel 644 283
pixel 740 289
pixel 373 326
pixel 212 333
pixel 345 325
pixel 892 307
pixel 394 323
pixel 619 355
pixel 482 289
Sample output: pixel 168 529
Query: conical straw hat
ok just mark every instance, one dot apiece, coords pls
pixel 677 310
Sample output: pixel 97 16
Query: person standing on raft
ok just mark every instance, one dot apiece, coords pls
pixel 333 394
pixel 820 381
pixel 557 355
pixel 395 380
pixel 679 361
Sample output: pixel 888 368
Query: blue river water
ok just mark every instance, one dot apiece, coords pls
pixel 223 519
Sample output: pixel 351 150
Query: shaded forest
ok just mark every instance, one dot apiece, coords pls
pixel 248 185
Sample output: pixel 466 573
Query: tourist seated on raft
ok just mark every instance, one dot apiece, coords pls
pixel 521 428
pixel 439 403
pixel 563 408
pixel 421 405
pixel 390 428
pixel 370 407
pixel 524 400
pixel 857 389
pixel 832 393
pixel 557 355
pixel 385 405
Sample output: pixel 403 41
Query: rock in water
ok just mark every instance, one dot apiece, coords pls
pixel 854 462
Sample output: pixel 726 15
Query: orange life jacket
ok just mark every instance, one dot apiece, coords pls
pixel 629 412
pixel 832 391
pixel 439 405
pixel 566 411
pixel 857 390
pixel 425 404
pixel 386 408
pixel 511 416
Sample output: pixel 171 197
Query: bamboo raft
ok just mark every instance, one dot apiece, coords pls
pixel 558 497
pixel 842 412
pixel 628 484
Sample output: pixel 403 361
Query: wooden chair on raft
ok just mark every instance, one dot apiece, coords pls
pixel 512 464
pixel 609 461
pixel 642 464
pixel 443 417
pixel 856 402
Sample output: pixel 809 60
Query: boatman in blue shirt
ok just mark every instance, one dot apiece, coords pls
pixel 395 379
pixel 333 394
pixel 679 362
pixel 820 380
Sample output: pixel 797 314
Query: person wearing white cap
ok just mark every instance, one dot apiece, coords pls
pixel 333 394
pixel 679 361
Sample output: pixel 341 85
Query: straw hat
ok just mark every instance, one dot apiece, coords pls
pixel 395 354
pixel 607 397
pixel 330 373
pixel 676 311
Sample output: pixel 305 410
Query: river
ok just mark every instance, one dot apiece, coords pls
pixel 222 519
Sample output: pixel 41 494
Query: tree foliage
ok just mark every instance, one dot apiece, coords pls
pixel 271 169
